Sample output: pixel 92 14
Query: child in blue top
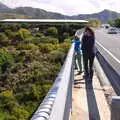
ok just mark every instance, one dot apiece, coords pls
pixel 77 49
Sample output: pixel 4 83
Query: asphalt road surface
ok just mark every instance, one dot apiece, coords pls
pixel 109 41
pixel 109 47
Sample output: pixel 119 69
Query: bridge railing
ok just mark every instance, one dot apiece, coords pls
pixel 58 102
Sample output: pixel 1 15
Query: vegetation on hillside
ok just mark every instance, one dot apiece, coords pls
pixel 31 56
pixel 7 15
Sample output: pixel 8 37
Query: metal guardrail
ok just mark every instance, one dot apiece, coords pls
pixel 58 102
pixel 114 80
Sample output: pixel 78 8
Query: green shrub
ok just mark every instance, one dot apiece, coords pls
pixel 4 41
pixel 57 56
pixel 27 46
pixel 6 59
pixel 24 33
pixel 20 113
pixel 10 117
pixel 67 40
pixel 66 35
pixel 9 33
pixel 46 48
pixel 64 47
pixel 24 25
pixel 3 37
pixel 52 31
pixel 48 40
pixel 8 100
pixel 39 34
pixel 30 93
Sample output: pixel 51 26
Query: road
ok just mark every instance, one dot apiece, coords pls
pixel 109 41
pixel 109 47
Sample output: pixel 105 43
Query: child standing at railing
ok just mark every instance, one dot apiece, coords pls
pixel 77 49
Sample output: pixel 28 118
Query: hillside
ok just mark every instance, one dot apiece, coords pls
pixel 6 12
pixel 103 15
pixel 39 13
pixel 29 63
pixel 3 7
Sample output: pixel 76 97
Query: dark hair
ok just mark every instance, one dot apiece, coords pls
pixel 90 30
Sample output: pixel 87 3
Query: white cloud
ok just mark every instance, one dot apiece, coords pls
pixel 69 7
pixel 75 6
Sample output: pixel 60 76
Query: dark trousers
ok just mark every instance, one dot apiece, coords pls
pixel 88 65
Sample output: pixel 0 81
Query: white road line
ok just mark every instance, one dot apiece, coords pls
pixel 108 52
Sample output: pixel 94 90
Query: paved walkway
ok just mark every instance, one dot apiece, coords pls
pixel 89 102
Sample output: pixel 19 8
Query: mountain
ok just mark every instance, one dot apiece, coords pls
pixel 39 13
pixel 3 7
pixel 29 12
pixel 103 15
pixel 6 12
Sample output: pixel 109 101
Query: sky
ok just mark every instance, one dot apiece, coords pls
pixel 67 7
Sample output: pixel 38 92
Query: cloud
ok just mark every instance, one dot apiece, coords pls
pixel 72 7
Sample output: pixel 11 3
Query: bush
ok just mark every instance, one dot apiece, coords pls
pixel 20 113
pixel 57 56
pixel 28 46
pixel 4 41
pixel 64 47
pixel 24 33
pixel 8 100
pixel 46 48
pixel 67 40
pixel 10 117
pixel 66 35
pixel 6 59
pixel 3 37
pixel 39 34
pixel 29 93
pixel 48 40
pixel 9 33
pixel 52 31
pixel 24 25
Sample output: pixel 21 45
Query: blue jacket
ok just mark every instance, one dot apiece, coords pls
pixel 77 45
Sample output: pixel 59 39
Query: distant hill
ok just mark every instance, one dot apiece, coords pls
pixel 3 7
pixel 6 12
pixel 39 13
pixel 103 15
pixel 29 12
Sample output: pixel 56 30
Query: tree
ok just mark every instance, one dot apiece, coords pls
pixel 93 22
pixel 111 22
pixel 117 22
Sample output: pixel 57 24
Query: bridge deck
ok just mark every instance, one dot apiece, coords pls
pixel 88 101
